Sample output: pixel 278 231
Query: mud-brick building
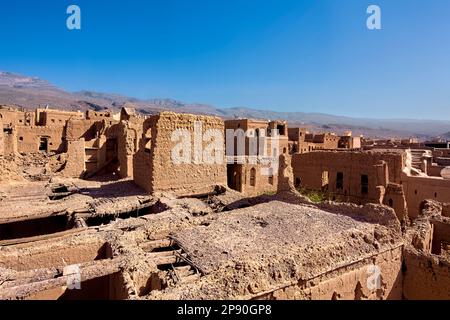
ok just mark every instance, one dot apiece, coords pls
pixel 33 131
pixel 302 141
pixel 383 177
pixel 420 188
pixel 88 140
pixel 250 144
pixel 154 167
pixel 357 177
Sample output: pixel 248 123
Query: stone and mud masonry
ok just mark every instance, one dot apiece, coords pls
pixel 93 207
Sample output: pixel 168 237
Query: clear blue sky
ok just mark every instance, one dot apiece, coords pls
pixel 286 55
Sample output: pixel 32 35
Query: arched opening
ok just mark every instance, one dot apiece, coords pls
pixel 298 182
pixel 253 177
pixel 391 203
pixel 234 177
pixel 147 137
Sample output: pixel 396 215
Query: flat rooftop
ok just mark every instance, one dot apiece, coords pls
pixel 279 230
pixel 289 240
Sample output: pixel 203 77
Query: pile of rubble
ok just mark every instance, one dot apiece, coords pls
pixel 30 167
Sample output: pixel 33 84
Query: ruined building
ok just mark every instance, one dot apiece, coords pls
pixel 106 206
pixel 154 169
pixel 88 139
pixel 301 141
pixel 249 144
pixel 384 176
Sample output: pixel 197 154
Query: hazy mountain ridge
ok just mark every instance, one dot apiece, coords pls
pixel 8 79
pixel 31 92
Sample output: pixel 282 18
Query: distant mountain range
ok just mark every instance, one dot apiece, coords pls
pixel 31 92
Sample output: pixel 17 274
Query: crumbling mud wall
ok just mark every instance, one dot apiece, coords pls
pixel 128 137
pixel 427 255
pixel 426 277
pixel 357 281
pixel 394 197
pixel 143 159
pixel 419 189
pixel 75 164
pixel 154 167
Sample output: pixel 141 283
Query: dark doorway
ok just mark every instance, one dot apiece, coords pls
pixel 234 177
pixel 43 144
pixel 298 183
pixel 391 203
pixel 340 181
pixel 364 184
pixel 111 149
